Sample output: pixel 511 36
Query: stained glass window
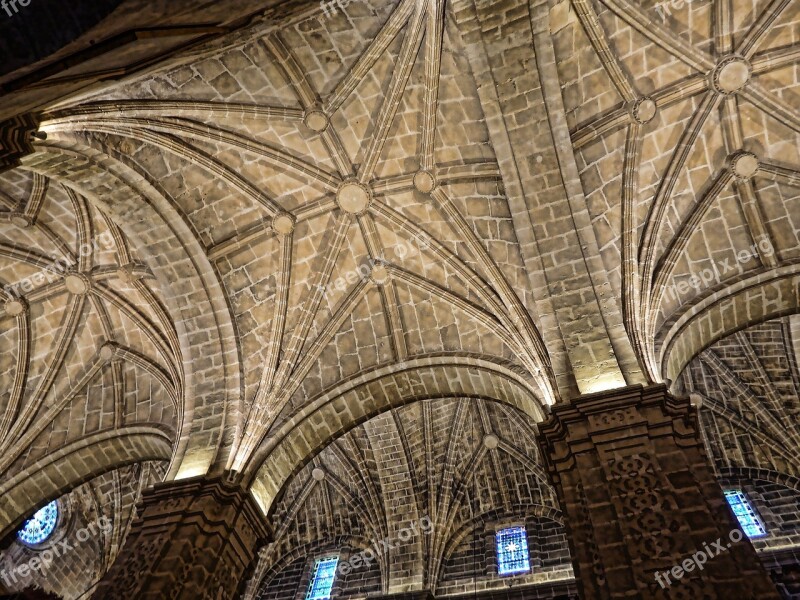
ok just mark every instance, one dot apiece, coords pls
pixel 512 551
pixel 751 523
pixel 322 580
pixel 40 526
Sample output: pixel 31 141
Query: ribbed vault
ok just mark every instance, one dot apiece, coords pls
pixel 455 462
pixel 350 229
pixel 748 386
pixel 398 217
pixel 686 130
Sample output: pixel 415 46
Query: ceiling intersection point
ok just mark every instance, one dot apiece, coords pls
pixel 731 74
pixel 107 351
pixel 379 274
pixel 643 110
pixel 743 165
pixel 490 441
pixel 77 284
pixel 283 224
pixel 316 120
pixel 16 307
pixel 424 181
pixel 353 197
pixel 328 235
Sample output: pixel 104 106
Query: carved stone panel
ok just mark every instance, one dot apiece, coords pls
pixel 641 500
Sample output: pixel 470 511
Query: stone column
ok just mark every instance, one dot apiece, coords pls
pixel 192 540
pixel 641 503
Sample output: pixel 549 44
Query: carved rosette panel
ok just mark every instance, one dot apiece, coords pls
pixel 192 539
pixel 584 525
pixel 640 498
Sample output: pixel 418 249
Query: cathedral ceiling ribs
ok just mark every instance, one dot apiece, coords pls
pixel 458 483
pixel 750 300
pixel 393 459
pixel 340 409
pixel 791 341
pixel 748 385
pixel 750 473
pixel 119 192
pixel 78 462
pixel 721 80
pixel 17 427
pixel 101 508
pixel 61 324
pixel 782 435
pixel 362 201
pixel 353 192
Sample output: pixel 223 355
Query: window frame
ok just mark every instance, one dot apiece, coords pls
pixel 49 537
pixel 744 499
pixel 498 551
pixel 314 572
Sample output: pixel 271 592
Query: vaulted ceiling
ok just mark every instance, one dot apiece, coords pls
pixel 440 466
pixel 748 388
pixel 285 232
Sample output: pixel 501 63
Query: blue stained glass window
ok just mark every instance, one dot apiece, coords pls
pixel 40 526
pixel 322 581
pixel 512 551
pixel 751 523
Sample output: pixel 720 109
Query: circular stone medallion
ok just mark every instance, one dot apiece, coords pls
pixel 744 165
pixel 76 284
pixel 14 308
pixel 283 224
pixel 643 111
pixel 107 352
pixel 316 120
pixel 731 75
pixel 491 442
pixel 353 198
pixel 424 181
pixel 380 274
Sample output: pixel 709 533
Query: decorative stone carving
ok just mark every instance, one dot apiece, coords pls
pixel 424 181
pixel 193 539
pixel 644 110
pixel 744 165
pixel 316 120
pixel 353 197
pixel 640 498
pixel 730 75
pixel 283 224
